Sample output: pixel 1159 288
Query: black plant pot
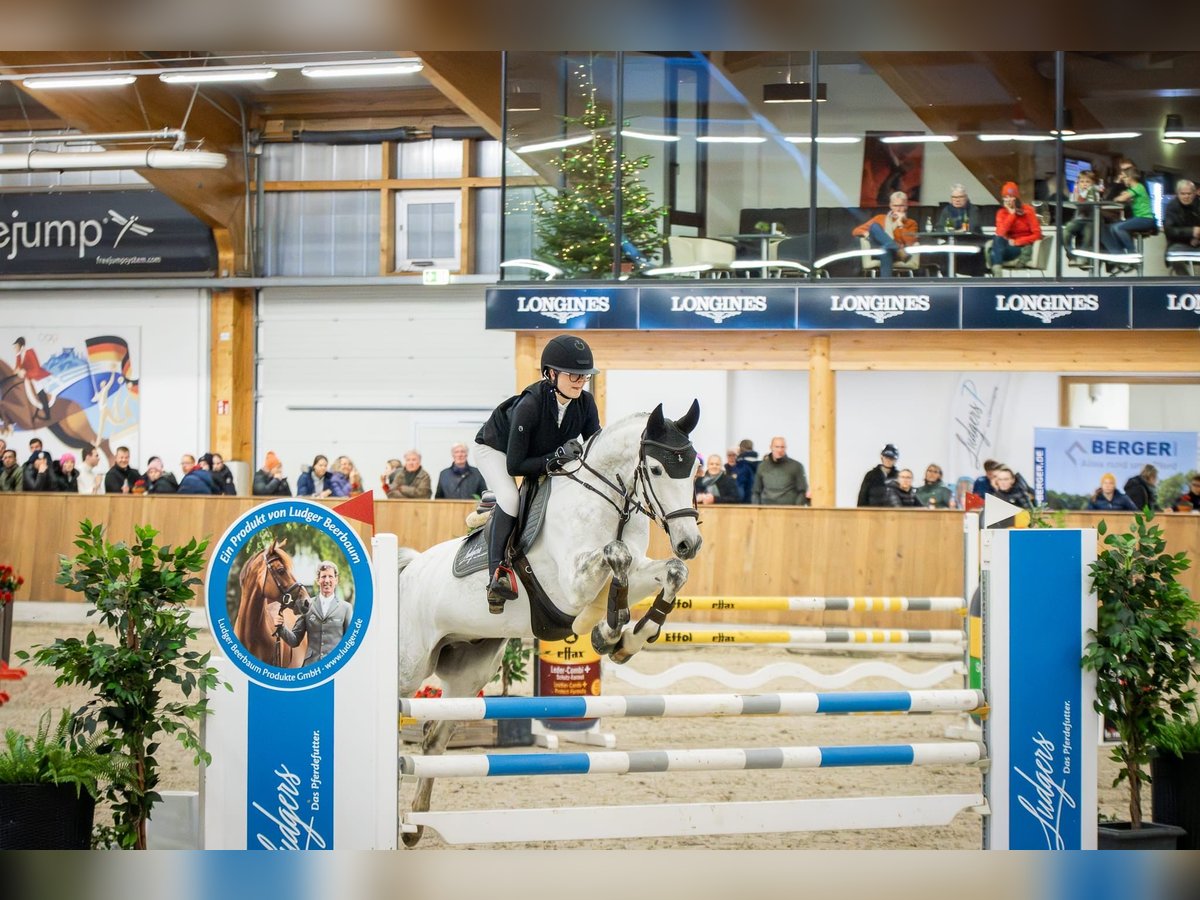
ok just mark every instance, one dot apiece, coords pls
pixel 1175 794
pixel 1151 836
pixel 45 817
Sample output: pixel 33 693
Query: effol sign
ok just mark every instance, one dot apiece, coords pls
pixel 291 602
pixel 101 232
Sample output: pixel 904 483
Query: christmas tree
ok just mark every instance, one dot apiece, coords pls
pixel 575 223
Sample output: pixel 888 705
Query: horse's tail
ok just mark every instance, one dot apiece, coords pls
pixel 405 556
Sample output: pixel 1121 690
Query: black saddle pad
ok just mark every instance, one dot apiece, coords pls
pixel 472 553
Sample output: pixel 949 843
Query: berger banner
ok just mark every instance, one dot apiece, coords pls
pixel 1069 462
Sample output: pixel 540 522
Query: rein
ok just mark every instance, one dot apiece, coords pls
pixel 649 505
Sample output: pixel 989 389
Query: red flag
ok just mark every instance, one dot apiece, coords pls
pixel 970 502
pixel 360 508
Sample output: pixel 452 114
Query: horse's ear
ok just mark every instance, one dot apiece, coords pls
pixel 654 424
pixel 280 543
pixel 690 418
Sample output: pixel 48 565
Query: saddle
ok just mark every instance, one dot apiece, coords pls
pixel 547 621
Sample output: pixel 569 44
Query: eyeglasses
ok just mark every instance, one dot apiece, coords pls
pixel 576 379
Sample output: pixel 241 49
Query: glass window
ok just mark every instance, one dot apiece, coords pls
pixel 322 233
pixel 428 229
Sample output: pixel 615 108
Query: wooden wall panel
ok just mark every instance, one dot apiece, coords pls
pixel 748 550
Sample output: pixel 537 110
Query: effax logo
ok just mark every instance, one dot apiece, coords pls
pixel 879 307
pixel 1047 307
pixel 719 307
pixel 83 235
pixel 562 308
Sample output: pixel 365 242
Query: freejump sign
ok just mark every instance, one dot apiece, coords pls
pixel 309 728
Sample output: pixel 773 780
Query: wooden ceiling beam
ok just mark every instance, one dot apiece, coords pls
pixel 216 197
pixel 470 79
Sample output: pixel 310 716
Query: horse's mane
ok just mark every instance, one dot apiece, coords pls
pixel 618 438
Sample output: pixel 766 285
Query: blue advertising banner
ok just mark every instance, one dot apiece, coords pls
pixel 289 777
pixel 551 305
pixel 1166 306
pixel 1012 304
pixel 711 305
pixel 1045 788
pixel 880 305
pixel 1074 459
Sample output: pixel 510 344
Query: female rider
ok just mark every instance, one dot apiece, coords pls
pixel 529 434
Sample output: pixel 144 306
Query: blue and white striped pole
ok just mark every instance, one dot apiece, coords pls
pixel 680 705
pixel 491 765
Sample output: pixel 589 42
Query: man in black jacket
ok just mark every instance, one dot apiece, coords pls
pixel 873 491
pixel 1181 225
pixel 1142 488
pixel 460 480
pixel 121 477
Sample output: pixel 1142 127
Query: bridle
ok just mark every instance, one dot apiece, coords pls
pixel 672 458
pixel 277 569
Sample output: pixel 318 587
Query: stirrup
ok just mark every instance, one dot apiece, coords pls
pixel 502 588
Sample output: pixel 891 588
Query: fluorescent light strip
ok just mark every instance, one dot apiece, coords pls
pixel 1107 257
pixel 806 139
pixel 217 76
pixel 38 160
pixel 1026 138
pixel 696 269
pixel 1174 133
pixel 53 82
pixel 1102 136
pixel 364 68
pixel 730 139
pixel 1173 140
pixel 536 264
pixel 845 254
pixel 959 249
pixel 555 145
pixel 919 139
pixel 646 136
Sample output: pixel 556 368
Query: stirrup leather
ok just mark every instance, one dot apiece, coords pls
pixel 503 587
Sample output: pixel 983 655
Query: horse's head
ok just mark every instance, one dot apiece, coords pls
pixel 668 460
pixel 288 591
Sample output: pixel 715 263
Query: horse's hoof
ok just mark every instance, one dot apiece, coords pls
pixel 620 656
pixel 412 838
pixel 600 643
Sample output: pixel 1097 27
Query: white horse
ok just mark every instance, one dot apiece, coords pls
pixel 638 469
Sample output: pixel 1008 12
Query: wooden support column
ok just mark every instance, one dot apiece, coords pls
pixel 231 367
pixel 822 422
pixel 527 355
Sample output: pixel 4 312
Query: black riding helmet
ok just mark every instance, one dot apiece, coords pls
pixel 567 353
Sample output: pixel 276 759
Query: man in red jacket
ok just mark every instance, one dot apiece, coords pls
pixel 29 368
pixel 891 231
pixel 1017 229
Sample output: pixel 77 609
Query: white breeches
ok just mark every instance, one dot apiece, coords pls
pixel 494 466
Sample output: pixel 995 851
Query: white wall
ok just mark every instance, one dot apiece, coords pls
pixel 173 363
pixel 373 372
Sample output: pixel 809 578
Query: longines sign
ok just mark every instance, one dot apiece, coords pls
pixel 746 305
pixel 101 232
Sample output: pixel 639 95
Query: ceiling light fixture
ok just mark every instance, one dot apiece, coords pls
pixel 730 139
pixel 1173 131
pixel 1103 136
pixel 363 68
pixel 220 75
pixel 54 82
pixel 1024 138
pixel 48 160
pixel 822 139
pixel 555 145
pixel 789 91
pixel 524 101
pixel 919 139
pixel 646 136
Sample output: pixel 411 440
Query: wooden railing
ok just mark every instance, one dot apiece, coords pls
pixel 748 550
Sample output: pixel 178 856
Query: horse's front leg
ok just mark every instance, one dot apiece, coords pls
pixel 668 576
pixel 590 574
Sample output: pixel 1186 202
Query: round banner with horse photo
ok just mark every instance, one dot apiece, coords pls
pixel 289 593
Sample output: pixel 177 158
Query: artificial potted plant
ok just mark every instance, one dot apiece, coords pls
pixel 1175 771
pixel 49 784
pixel 140 593
pixel 1144 652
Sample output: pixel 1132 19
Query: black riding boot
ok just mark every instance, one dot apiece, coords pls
pixel 45 401
pixel 503 586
